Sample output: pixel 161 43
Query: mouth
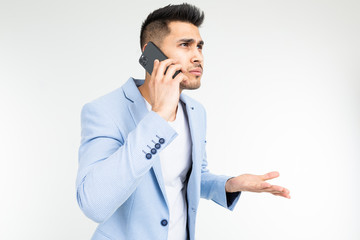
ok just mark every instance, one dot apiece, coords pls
pixel 196 71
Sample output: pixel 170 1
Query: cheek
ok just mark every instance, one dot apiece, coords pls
pixel 181 59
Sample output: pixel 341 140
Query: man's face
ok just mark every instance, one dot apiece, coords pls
pixel 184 45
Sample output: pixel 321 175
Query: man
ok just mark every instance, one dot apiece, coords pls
pixel 142 160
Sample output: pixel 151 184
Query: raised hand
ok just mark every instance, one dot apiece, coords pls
pixel 162 90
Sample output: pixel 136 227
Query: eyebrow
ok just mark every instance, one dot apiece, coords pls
pixel 191 40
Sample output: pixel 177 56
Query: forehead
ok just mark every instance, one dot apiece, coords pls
pixel 180 30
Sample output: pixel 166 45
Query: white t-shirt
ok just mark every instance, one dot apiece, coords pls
pixel 175 162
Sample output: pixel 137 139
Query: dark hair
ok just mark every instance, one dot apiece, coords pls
pixel 155 27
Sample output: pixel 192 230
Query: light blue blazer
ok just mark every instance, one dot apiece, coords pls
pixel 119 182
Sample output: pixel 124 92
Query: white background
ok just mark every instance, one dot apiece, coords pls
pixel 281 87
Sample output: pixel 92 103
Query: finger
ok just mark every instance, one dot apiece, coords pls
pixel 280 189
pixel 180 77
pixel 155 68
pixel 183 69
pixel 277 188
pixel 270 175
pixel 171 71
pixel 264 185
pixel 162 68
pixel 285 190
pixel 282 195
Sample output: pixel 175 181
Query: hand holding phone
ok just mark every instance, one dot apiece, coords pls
pixel 149 55
pixel 162 89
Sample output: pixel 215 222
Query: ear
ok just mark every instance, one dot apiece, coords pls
pixel 143 49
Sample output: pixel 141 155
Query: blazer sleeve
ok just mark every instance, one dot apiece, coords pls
pixel 112 165
pixel 213 186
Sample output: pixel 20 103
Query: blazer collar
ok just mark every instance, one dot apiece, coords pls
pixel 131 90
pixel 137 107
pixel 194 116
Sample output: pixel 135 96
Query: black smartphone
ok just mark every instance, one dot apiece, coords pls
pixel 149 55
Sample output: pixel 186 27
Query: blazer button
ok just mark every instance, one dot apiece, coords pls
pixel 148 155
pixel 157 146
pixel 164 222
pixel 161 140
pixel 153 151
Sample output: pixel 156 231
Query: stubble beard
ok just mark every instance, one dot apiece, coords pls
pixel 191 84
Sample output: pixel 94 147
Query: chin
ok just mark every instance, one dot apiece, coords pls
pixel 191 85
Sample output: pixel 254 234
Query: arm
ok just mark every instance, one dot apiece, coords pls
pixel 112 162
pixel 111 165
pixel 213 188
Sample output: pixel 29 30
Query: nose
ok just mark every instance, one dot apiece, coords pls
pixel 197 56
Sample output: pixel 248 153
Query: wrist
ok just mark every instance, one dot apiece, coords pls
pixel 228 185
pixel 166 114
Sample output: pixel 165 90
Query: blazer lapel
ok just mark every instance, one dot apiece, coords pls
pixel 138 110
pixel 195 132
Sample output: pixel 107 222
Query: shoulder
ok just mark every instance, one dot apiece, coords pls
pixel 112 103
pixel 104 106
pixel 118 100
pixel 109 100
pixel 108 109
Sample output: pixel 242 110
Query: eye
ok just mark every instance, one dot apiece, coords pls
pixel 184 44
pixel 200 46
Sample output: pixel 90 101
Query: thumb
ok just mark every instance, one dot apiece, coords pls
pixel 270 175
